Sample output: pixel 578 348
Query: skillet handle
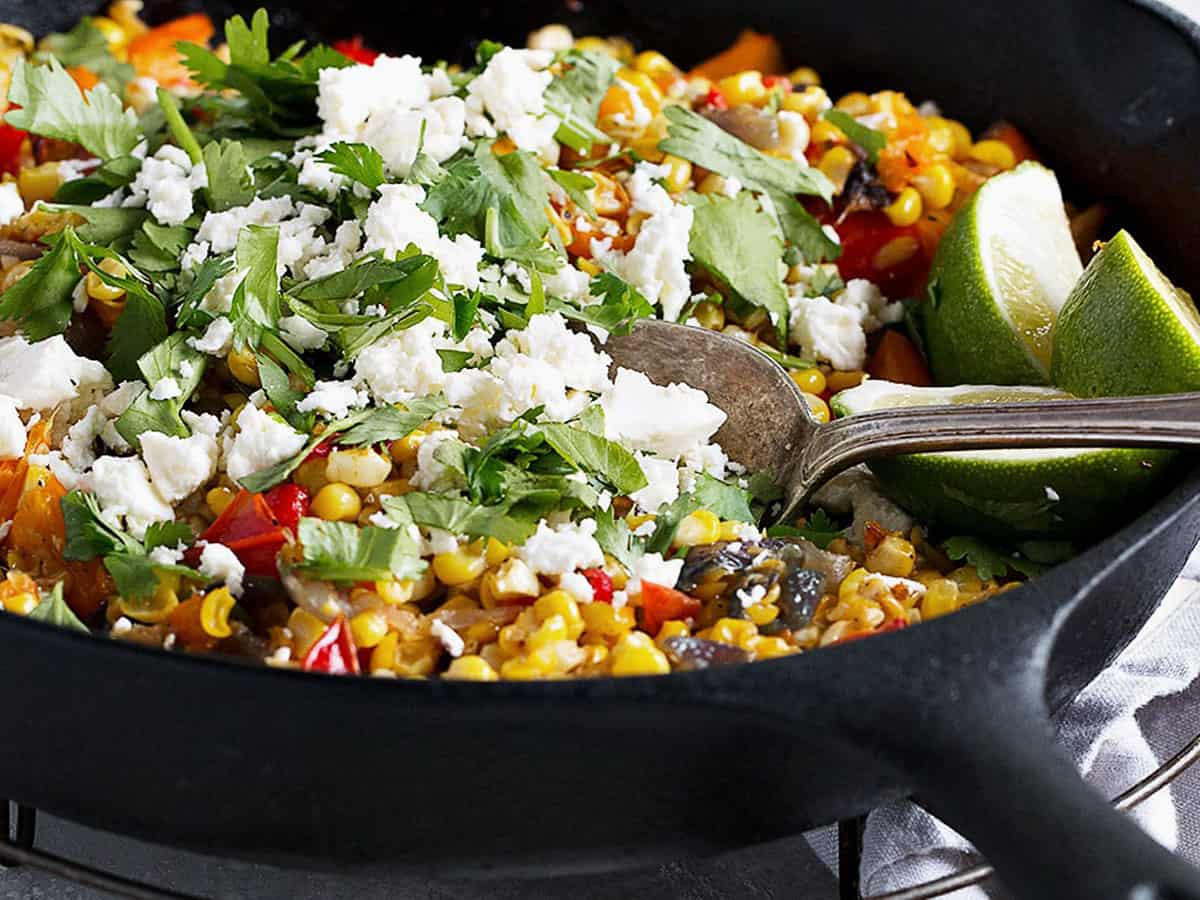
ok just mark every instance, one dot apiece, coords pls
pixel 994 772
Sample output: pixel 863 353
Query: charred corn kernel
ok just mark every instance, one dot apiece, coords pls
pixel 383 654
pixel 218 499
pixel 843 381
pixel 896 251
pixel 940 136
pixel 337 502
pixel 936 186
pixel 395 593
pixel 635 654
pixel 710 315
pixel 794 134
pixel 809 102
pixel 893 556
pixel 941 597
pixel 744 87
pixel 836 165
pixel 565 607
pixel 361 467
pixel 310 475
pixel 906 209
pixel 855 103
pixel 521 670
pixel 679 174
pixel 424 585
pixel 763 613
pixel 670 629
pixel 603 621
pixel 480 633
pixel 305 629
pixel 471 668
pixel 214 613
pixel 369 628
pixel 405 449
pixel 20 604
pixel 458 566
pixel 653 63
pixel 993 153
pixel 701 527
pixel 511 640
pixel 852 585
pixel 39 183
pixel 817 407
pixel 731 631
pixel 496 552
pixel 811 381
pixel 769 647
pixel 551 631
pixel 243 365
pixel 512 580
pixel 712 183
pixel 97 289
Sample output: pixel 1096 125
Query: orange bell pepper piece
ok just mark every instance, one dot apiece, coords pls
pixel 752 51
pixel 154 53
pixel 84 77
pixel 896 359
pixel 185 622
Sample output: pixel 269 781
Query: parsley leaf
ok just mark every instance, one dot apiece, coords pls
pixel 577 185
pixel 620 306
pixel 871 141
pixel 819 529
pixel 229 182
pixel 279 390
pixel 358 162
pixel 171 358
pixel 85 45
pixel 598 455
pixel 41 301
pixel 989 562
pixel 256 306
pixel 575 96
pixel 52 105
pixel 461 516
pixel 339 551
pixel 53 610
pixel 741 247
pixel 615 539
pixel 390 423
pixel 88 534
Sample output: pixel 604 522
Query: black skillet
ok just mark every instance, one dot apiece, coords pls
pixel 463 778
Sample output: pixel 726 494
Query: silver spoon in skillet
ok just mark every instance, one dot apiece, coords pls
pixel 769 427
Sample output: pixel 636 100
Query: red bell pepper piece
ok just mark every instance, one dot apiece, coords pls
pixel 354 48
pixel 715 99
pixel 777 81
pixel 661 604
pixel 289 503
pixel 602 586
pixel 863 234
pixel 896 359
pixel 334 651
pixel 320 451
pixel 250 530
pixel 11 140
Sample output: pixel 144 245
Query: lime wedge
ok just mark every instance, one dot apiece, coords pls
pixel 1125 329
pixel 1000 276
pixel 1010 494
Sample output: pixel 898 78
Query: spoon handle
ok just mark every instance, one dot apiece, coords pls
pixel 1167 421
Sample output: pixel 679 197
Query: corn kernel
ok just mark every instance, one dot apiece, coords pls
pixel 601 620
pixel 762 613
pixel 671 628
pixel 817 408
pixel 993 153
pixel 811 381
pixel 361 467
pixel 496 552
pixel 395 593
pixel 310 475
pixel 794 134
pixel 514 579
pixel 97 289
pixel 936 186
pixel 941 597
pixel 701 527
pixel 243 366
pixel 710 315
pixel 895 252
pixel 730 531
pixel 21 604
pixel 458 566
pixel 654 64
pixel 825 132
pixel 404 450
pixel 744 87
pixel 471 668
pixel 855 103
pixel 552 630
pixel 337 502
pixel 836 165
pixel 214 613
pixel 940 136
pixel 218 499
pixel 962 138
pixel 763 647
pixel 893 556
pixel 369 628
pixel 561 604
pixel 383 655
pixel 635 654
pixel 804 76
pixel 39 183
pixel 157 607
pixel 520 670
pixel 731 631
pixel 843 381
pixel 906 209
pixel 809 102
pixel 679 174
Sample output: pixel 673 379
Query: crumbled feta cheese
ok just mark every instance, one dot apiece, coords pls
pixel 166 388
pixel 551 37
pixel 177 465
pixel 12 430
pixel 548 339
pixel 348 97
pixel 123 490
pixel 217 338
pixel 510 90
pixel 166 556
pixel 663 487
pixel 11 204
pixel 333 399
pixel 868 302
pixel 403 365
pixel 219 562
pixel 577 586
pixel 396 220
pixel 397 133
pixel 202 423
pixel 562 549
pixel 653 568
pixel 220 229
pixel 261 442
pixel 528 382
pixel 431 473
pixel 66 474
pixel 449 638
pixel 338 253
pixel 165 185
pixel 667 421
pixel 79 441
pixel 219 298
pixel 441 541
pixel 380 519
pixel 45 374
pixel 300 334
pixel 122 626
pixel 568 282
pixel 821 329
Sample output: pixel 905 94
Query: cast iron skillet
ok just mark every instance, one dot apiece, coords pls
pixel 562 776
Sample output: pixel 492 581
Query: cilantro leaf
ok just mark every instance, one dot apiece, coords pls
pixel 461 516
pixel 279 390
pixel 52 105
pixel 615 539
pixel 53 610
pixel 596 454
pixel 229 182
pixel 620 306
pixel 989 562
pixel 358 162
pixel 722 499
pixel 390 423
pixel 339 551
pixel 170 358
pixel 455 360
pixel 417 273
pixel 256 306
pixel 158 248
pixel 133 574
pixel 41 301
pixel 740 246
pixel 819 530
pixel 85 45
pixel 575 96
pixel 802 229
pixel 88 534
pixel 577 185
pixel 188 312
pixel 110 175
pixel 168 534
pixel 870 140
pixel 103 224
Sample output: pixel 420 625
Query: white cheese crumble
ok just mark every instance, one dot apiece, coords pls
pixel 548 339
pixel 178 466
pixel 577 586
pixel 663 487
pixel 165 185
pixel 217 339
pixel 510 90
pixel 562 549
pixel 219 562
pixel 11 204
pixel 300 334
pixel 45 374
pixel 166 388
pixel 449 638
pixel 667 421
pixel 653 568
pixel 12 429
pixel 396 220
pixel 261 442
pixel 333 399
pixel 123 490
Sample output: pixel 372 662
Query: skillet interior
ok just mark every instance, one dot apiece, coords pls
pixel 276 763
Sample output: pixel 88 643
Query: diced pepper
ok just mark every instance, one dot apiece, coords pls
pixel 249 528
pixel 84 77
pixel 354 48
pixel 602 586
pixel 290 503
pixel 896 359
pixel 11 141
pixel 661 604
pixel 715 99
pixel 863 235
pixel 752 51
pixel 334 651
pixel 154 53
pixel 186 624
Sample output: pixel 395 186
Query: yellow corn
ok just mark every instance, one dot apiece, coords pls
pixel 14 274
pixel 809 102
pixel 562 605
pixel 496 552
pixel 730 531
pixel 762 613
pixel 811 381
pixel 635 654
pixel 994 153
pixel 20 604
pixel 701 527
pixel 404 450
pixel 218 499
pixel 361 467
pixel 368 628
pixel 744 87
pixel 825 132
pixel 395 593
pixel 305 629
pixel 337 502
pixel 243 365
pixel 941 136
pixel 383 655
pixel 941 597
pixel 512 580
pixel 586 265
pixel 896 251
pixel 471 668
pixel 521 670
pixel 906 209
pixel 214 613
pixel 856 104
pixel 654 64
pixel 551 631
pixel 650 92
pixel 157 607
pixel 817 407
pixel 936 186
pixel 794 134
pixel 602 621
pixel 731 631
pixel 97 289
pixel 39 183
pixel 804 76
pixel 837 164
pixel 458 566
pixel 843 381
pixel 672 628
pixel 893 556
pixel 769 647
pixel 679 174
pixel 962 138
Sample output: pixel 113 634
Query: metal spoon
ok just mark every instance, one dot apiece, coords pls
pixel 770 429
